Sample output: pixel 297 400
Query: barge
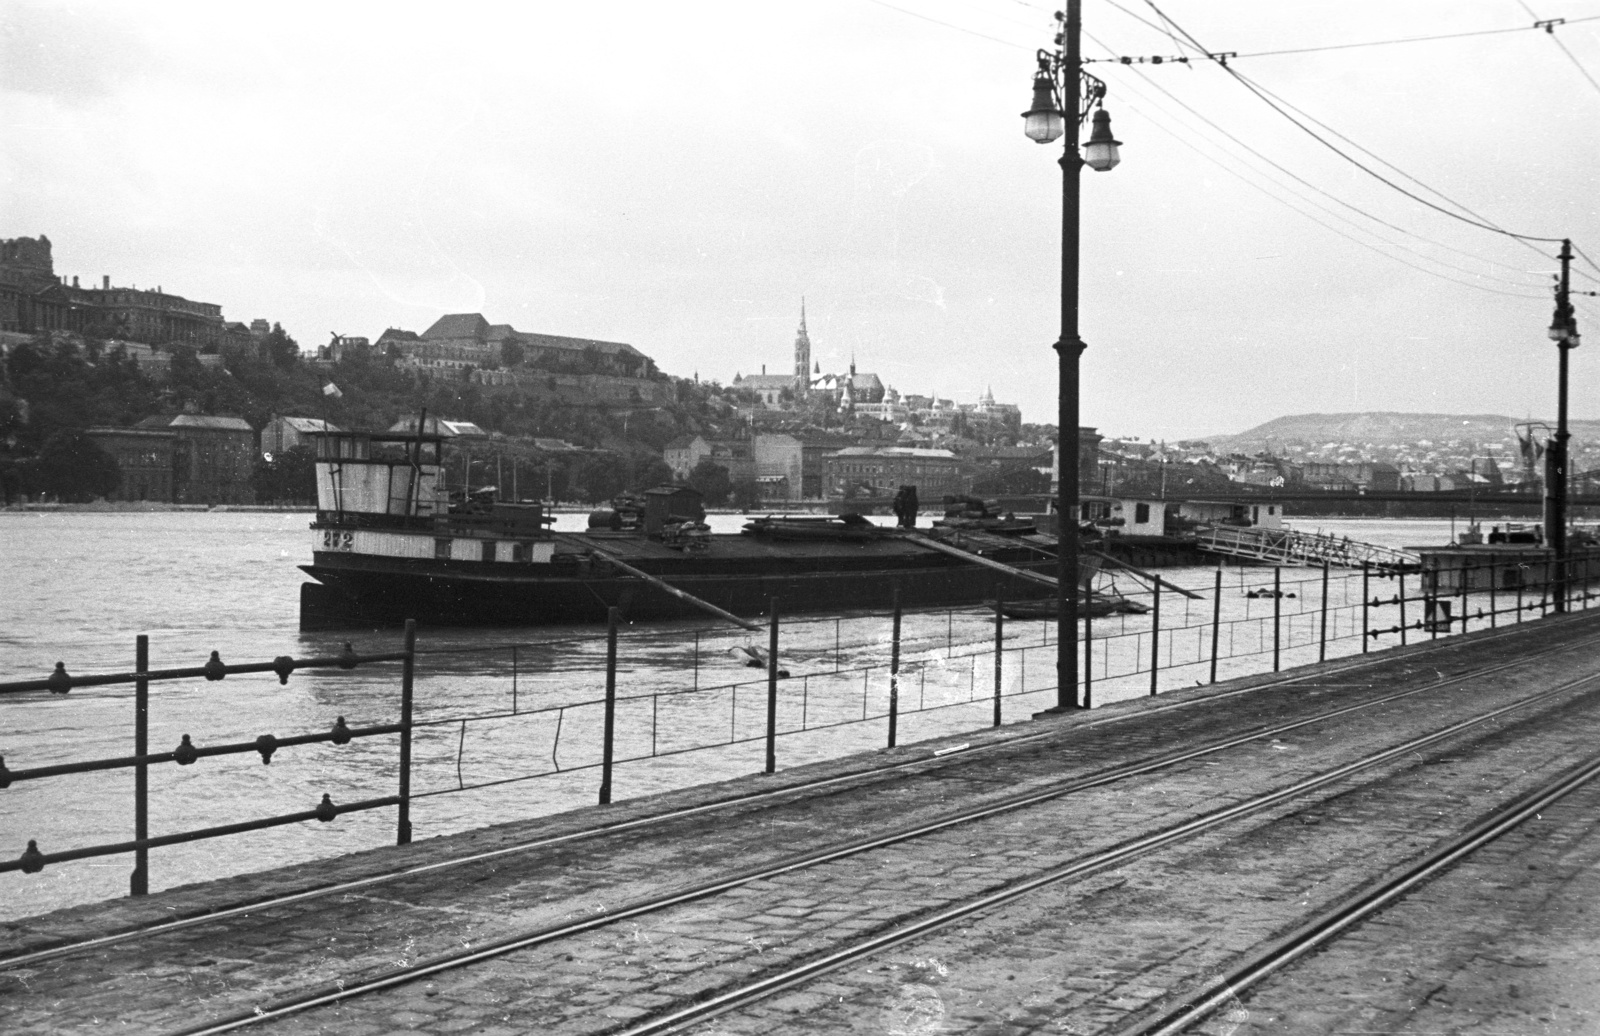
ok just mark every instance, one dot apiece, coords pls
pixel 388 544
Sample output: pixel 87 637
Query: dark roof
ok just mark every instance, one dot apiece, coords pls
pixel 220 424
pixel 459 325
pixel 539 341
pixel 398 333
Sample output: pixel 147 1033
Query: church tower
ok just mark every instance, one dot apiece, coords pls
pixel 802 356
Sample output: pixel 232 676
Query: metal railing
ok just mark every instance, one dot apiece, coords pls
pixel 187 753
pixel 1274 621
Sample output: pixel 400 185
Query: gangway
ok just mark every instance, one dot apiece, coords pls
pixel 1292 547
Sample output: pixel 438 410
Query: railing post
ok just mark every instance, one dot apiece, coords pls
pixel 894 670
pixel 697 660
pixel 1465 579
pixel 608 740
pixel 1519 595
pixel 407 685
pixel 1400 578
pixel 772 686
pixel 139 881
pixel 1494 597
pixel 1155 636
pixel 999 652
pixel 1366 597
pixel 1088 657
pixel 1322 648
pixel 1277 611
pixel 1216 621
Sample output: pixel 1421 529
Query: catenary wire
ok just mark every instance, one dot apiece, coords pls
pixel 1308 184
pixel 1342 233
pixel 1343 154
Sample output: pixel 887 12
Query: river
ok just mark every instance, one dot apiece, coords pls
pixel 79 586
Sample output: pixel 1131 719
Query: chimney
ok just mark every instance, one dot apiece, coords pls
pixel 74 280
pixel 106 283
pixel 763 368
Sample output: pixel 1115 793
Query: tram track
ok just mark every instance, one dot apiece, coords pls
pixel 932 758
pixel 1330 923
pixel 770 983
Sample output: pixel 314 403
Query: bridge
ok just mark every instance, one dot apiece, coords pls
pixel 1292 547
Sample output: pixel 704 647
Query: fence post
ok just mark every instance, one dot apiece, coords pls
pixel 1494 601
pixel 1465 579
pixel 513 679
pixel 408 667
pixel 1088 657
pixel 1277 611
pixel 1322 648
pixel 608 741
pixel 772 685
pixel 894 670
pixel 1216 621
pixel 999 652
pixel 697 660
pixel 1366 597
pixel 1519 595
pixel 1155 636
pixel 1400 578
pixel 139 881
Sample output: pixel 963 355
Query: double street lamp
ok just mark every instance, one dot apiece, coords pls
pixel 1564 332
pixel 1059 82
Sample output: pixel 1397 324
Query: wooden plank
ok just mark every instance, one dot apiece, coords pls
pixel 967 555
pixel 666 587
pixel 1146 575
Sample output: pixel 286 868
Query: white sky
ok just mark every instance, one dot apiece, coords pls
pixel 677 176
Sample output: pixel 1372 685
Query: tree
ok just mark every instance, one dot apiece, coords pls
pixel 279 348
pixel 711 479
pixel 72 468
pixel 746 495
pixel 289 478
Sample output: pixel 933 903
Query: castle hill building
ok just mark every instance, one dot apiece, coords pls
pixel 33 299
pixel 459 343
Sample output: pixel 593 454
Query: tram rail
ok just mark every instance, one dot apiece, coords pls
pixel 933 757
pixel 770 983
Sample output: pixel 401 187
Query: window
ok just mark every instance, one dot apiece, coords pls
pixel 488 550
pixel 1141 513
pixel 441 547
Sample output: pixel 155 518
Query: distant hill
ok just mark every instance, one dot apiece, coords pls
pixel 1380 429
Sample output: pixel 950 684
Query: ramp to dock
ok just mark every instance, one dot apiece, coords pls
pixel 1292 547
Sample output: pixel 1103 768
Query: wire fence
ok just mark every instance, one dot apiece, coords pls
pixel 631 696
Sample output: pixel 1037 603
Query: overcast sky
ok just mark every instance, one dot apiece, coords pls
pixel 677 176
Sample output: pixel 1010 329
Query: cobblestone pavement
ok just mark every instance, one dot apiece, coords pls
pixel 1507 942
pixel 1185 911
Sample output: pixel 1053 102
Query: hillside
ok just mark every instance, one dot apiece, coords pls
pixel 1382 429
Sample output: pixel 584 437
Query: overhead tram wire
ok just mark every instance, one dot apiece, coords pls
pixel 1352 207
pixel 1549 26
pixel 1342 46
pixel 1342 154
pixel 1330 212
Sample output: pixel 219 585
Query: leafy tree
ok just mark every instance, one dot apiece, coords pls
pixel 279 348
pixel 746 494
pixel 71 468
pixel 711 479
pixel 289 478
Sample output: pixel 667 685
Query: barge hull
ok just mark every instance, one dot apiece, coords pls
pixel 349 596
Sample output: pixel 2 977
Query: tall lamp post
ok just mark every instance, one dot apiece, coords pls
pixel 1061 80
pixel 1564 332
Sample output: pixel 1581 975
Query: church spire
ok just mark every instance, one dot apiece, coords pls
pixel 802 355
